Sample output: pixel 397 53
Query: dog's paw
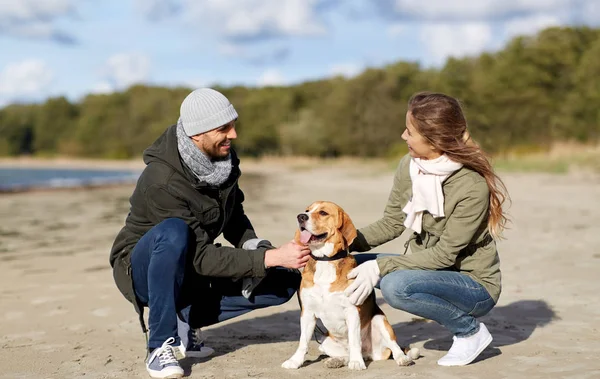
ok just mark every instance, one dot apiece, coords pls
pixel 404 361
pixel 291 364
pixel 357 365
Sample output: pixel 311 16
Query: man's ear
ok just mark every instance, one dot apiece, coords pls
pixel 347 228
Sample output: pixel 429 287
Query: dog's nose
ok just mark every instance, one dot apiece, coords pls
pixel 302 217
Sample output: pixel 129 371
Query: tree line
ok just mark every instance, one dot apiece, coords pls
pixel 536 91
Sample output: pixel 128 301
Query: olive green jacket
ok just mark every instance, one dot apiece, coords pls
pixel 459 241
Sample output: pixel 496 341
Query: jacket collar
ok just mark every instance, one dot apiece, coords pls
pixel 165 150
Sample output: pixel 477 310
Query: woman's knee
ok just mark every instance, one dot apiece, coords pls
pixel 395 288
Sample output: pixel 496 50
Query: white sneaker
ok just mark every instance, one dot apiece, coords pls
pixel 464 350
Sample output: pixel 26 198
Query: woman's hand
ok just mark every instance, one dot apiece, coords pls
pixel 366 278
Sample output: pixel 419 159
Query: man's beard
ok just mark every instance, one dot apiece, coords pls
pixel 214 153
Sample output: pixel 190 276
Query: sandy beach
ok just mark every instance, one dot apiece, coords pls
pixel 61 315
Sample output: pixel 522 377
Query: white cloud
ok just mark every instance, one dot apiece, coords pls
pixel 257 54
pixel 347 70
pixel 256 19
pixel 456 40
pixel 232 50
pixel 125 69
pixel 34 18
pixel 27 10
pixel 25 79
pixel 271 77
pixel 157 9
pixel 590 12
pixel 444 10
pixel 464 27
pixel 529 25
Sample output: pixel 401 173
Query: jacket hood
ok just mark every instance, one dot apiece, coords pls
pixel 461 172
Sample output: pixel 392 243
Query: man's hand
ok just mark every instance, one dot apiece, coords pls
pixel 367 276
pixel 290 255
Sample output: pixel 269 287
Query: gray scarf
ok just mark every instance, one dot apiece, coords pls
pixel 212 172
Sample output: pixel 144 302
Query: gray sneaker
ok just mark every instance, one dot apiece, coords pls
pixel 162 362
pixel 195 347
pixel 192 342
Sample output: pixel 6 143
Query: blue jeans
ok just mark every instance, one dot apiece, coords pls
pixel 450 298
pixel 164 280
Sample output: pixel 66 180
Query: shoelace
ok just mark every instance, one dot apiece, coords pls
pixel 166 355
pixel 197 339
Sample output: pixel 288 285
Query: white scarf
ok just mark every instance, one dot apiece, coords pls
pixel 427 177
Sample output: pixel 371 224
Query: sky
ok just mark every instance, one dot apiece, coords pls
pixel 76 47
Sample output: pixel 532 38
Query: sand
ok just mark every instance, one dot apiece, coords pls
pixel 61 315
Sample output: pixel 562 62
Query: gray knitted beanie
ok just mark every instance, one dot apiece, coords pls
pixel 205 109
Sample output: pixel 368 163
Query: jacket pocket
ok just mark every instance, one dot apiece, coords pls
pixel 208 216
pixel 433 225
pixel 123 279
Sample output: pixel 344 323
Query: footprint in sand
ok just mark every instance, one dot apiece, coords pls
pixel 101 312
pixel 13 315
pixel 49 348
pixel 49 299
pixel 57 312
pixel 25 336
pixel 75 327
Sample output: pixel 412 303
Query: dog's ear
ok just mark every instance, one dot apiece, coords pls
pixel 347 228
pixel 297 236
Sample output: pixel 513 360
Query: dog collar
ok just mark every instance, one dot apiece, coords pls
pixel 340 255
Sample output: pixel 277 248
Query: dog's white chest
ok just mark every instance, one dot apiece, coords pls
pixel 326 305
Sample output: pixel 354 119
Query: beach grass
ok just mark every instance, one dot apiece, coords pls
pixel 559 159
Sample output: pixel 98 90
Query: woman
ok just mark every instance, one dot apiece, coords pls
pixel 447 192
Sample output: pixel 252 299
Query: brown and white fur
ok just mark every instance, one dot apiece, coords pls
pixel 355 333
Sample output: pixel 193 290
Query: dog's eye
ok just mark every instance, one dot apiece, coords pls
pixel 323 213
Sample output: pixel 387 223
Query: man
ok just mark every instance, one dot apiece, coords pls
pixel 165 257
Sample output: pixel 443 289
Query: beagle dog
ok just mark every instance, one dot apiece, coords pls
pixel 355 333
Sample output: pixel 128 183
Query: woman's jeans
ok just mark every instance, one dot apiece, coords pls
pixel 450 298
pixel 164 280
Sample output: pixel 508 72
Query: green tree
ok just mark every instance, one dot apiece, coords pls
pixel 56 119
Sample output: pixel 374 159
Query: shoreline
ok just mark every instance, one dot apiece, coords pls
pixel 247 163
pixel 74 188
pixel 72 163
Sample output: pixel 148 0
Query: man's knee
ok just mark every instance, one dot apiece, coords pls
pixel 281 282
pixel 173 233
pixel 291 280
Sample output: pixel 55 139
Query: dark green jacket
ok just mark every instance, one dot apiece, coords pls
pixel 168 189
pixel 459 241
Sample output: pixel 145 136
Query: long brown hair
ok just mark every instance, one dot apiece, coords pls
pixel 440 120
